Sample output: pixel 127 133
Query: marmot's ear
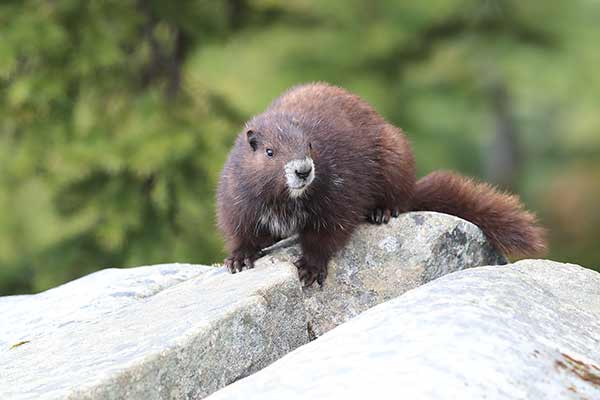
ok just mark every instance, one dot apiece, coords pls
pixel 252 138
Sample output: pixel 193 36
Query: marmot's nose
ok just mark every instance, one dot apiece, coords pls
pixel 303 174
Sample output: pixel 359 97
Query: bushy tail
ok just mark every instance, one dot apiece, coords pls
pixel 501 216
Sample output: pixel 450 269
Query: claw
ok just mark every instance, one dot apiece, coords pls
pixel 229 265
pixel 381 215
pixel 249 263
pixel 309 279
pixel 237 265
pixel 321 277
pixel 372 217
pixel 305 277
pixel 386 216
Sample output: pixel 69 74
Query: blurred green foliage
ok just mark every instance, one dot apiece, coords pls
pixel 116 116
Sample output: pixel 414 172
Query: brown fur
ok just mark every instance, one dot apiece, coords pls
pixel 501 216
pixel 363 169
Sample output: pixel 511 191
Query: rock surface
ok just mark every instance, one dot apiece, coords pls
pixel 529 330
pixel 383 261
pixel 166 331
pixel 184 331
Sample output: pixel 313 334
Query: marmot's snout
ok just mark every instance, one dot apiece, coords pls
pixel 299 174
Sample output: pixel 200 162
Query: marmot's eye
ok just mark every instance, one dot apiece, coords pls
pixel 270 152
pixel 310 145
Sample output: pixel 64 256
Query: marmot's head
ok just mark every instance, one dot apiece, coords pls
pixel 278 146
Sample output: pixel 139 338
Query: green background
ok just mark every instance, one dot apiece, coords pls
pixel 116 116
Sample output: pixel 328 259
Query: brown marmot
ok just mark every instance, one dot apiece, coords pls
pixel 320 160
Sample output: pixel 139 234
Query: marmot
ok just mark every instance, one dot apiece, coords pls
pixel 320 160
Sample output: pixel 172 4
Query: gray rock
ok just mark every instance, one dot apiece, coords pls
pixel 529 330
pixel 383 261
pixel 184 331
pixel 166 331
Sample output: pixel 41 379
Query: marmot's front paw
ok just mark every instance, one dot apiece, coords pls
pixel 308 273
pixel 382 215
pixel 236 263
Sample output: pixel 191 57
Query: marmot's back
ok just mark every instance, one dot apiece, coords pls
pixel 327 102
